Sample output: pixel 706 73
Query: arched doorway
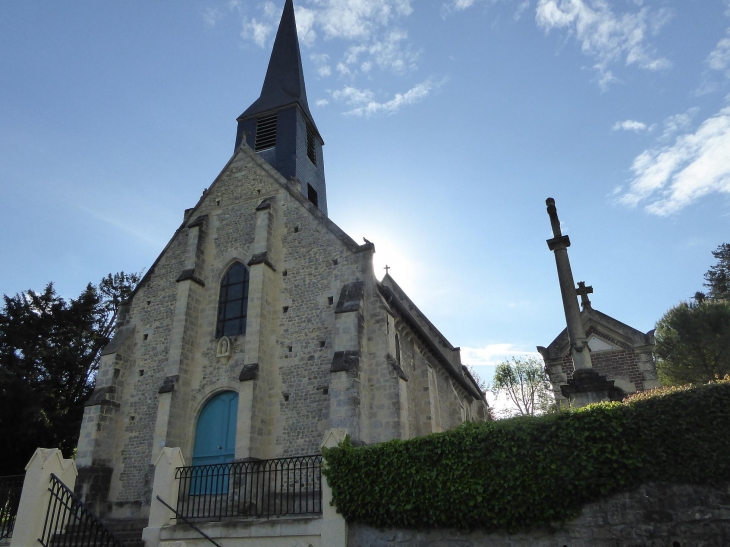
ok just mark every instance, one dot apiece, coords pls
pixel 215 434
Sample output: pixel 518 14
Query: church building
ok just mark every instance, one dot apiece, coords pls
pixel 261 325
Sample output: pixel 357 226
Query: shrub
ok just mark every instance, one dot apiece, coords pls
pixel 523 472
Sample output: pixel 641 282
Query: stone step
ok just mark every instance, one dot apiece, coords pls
pixel 127 531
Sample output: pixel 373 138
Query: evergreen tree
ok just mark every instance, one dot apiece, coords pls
pixel 693 342
pixel 49 355
pixel 718 276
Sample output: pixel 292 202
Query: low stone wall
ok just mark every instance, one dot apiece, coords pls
pixel 652 515
pixel 273 532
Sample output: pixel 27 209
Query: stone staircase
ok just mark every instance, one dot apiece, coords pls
pixel 128 531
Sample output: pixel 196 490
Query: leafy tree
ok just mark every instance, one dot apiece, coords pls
pixel 526 385
pixel 49 355
pixel 693 342
pixel 718 276
pixel 481 382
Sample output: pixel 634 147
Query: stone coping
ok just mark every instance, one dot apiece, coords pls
pixel 233 527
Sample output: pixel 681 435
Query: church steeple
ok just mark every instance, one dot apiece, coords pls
pixel 279 123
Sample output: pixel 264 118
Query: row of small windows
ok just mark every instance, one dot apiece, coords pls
pixel 266 137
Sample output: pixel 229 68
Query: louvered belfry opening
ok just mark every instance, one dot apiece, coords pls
pixel 266 132
pixel 311 150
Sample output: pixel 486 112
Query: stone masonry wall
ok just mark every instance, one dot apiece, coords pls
pixel 652 515
pixel 317 265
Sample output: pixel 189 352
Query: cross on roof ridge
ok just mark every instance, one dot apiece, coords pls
pixel 583 292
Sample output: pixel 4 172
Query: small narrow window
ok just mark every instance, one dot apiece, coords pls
pixel 312 195
pixel 311 149
pixel 233 302
pixel 397 350
pixel 265 132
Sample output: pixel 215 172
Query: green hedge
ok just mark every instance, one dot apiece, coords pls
pixel 518 473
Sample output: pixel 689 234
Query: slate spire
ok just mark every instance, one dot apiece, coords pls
pixel 278 126
pixel 284 82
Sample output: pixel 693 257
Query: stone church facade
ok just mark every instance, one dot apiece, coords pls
pixel 262 324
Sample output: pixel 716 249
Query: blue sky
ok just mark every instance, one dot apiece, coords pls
pixel 446 124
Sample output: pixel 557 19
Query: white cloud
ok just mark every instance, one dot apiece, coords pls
pixel 305 25
pixel 678 122
pixel 493 354
pixel 390 53
pixel 256 31
pixel 629 125
pixel 521 9
pixel 367 24
pixel 352 19
pixel 672 177
pixel 363 103
pixel 271 11
pixel 322 102
pixel 321 61
pixel 719 59
pixel 462 4
pixel 605 36
pixel 342 69
pixel 211 16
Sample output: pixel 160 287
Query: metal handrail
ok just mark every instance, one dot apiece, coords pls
pixel 11 487
pixel 261 488
pixel 178 515
pixel 69 523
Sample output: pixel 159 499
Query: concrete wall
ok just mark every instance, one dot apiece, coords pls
pixel 652 515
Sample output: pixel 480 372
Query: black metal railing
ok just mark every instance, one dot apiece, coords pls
pixel 265 488
pixel 10 489
pixel 70 524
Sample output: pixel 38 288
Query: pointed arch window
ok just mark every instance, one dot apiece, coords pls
pixel 233 302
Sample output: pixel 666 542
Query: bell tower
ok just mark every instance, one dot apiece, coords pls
pixel 279 125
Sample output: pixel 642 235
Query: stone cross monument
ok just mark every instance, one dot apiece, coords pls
pixel 583 292
pixel 586 386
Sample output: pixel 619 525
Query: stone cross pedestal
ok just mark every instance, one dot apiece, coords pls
pixel 586 386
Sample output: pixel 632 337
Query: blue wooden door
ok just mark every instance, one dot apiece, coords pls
pixel 215 443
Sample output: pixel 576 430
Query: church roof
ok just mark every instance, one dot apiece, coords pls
pixel 441 348
pixel 590 316
pixel 284 82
